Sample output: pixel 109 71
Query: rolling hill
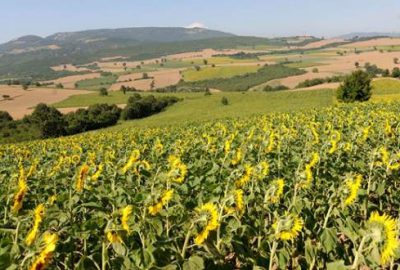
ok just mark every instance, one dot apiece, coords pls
pixel 32 56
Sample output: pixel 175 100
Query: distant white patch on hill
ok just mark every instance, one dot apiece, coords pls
pixel 196 25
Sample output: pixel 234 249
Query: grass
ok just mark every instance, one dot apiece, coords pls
pixel 219 60
pixel 246 81
pixel 97 83
pixel 304 64
pixel 207 73
pixel 198 107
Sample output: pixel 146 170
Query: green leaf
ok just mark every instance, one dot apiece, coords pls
pixel 338 265
pixel 328 240
pixel 194 263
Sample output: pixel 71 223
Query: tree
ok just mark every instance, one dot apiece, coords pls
pixel 145 76
pixel 49 121
pixel 224 101
pixel 103 91
pixel 396 72
pixel 205 61
pixel 396 60
pixel 207 92
pixel 357 65
pixel 356 87
pixel 386 73
pixel 25 86
pixel 315 70
pixel 152 85
pixel 5 117
pixel 197 68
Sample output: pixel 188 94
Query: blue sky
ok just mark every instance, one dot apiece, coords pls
pixel 246 17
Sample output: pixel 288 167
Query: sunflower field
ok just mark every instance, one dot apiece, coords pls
pixel 306 190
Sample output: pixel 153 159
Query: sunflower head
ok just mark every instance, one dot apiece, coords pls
pixel 288 227
pixel 383 232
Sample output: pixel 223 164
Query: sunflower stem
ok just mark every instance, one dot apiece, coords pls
pixel 328 214
pixel 358 254
pixel 272 255
pixel 185 244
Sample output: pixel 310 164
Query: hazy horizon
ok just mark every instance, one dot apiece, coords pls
pixel 258 18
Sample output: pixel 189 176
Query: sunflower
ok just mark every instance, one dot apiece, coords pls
pixel 275 191
pixel 288 227
pixel 156 208
pixel 248 172
pixel 308 173
pixel 237 158
pixel 178 170
pixel 125 215
pixel 210 210
pixel 352 188
pixel 45 256
pixel 80 180
pixel 383 230
pixel 335 138
pixel 131 161
pixel 113 237
pixel 38 215
pixel 22 190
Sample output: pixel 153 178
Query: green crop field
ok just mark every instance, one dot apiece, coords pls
pixel 97 83
pixel 206 73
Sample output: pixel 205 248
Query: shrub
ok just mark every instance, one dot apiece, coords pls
pixel 140 107
pixel 103 91
pixel 269 88
pixel 356 87
pixel 396 72
pixel 95 117
pixel 225 101
pixel 315 70
pixel 49 121
pixel 5 117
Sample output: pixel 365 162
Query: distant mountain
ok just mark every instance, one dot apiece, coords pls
pixel 31 57
pixel 109 38
pixel 362 35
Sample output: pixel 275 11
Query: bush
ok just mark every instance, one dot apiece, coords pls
pixel 95 117
pixel 103 91
pixel 356 87
pixel 224 101
pixel 5 117
pixel 269 88
pixel 49 121
pixel 396 72
pixel 140 107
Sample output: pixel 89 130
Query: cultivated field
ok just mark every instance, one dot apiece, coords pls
pixel 22 102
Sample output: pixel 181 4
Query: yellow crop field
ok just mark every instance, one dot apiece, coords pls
pixel 313 189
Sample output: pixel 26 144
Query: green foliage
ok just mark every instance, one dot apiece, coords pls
pixel 49 121
pixel 396 72
pixel 318 81
pixel 356 87
pixel 245 82
pixel 105 81
pixel 140 107
pixel 103 91
pixel 224 101
pixel 269 88
pixel 86 182
pixel 95 117
pixel 5 117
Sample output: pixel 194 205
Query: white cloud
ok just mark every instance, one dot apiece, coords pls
pixel 196 25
